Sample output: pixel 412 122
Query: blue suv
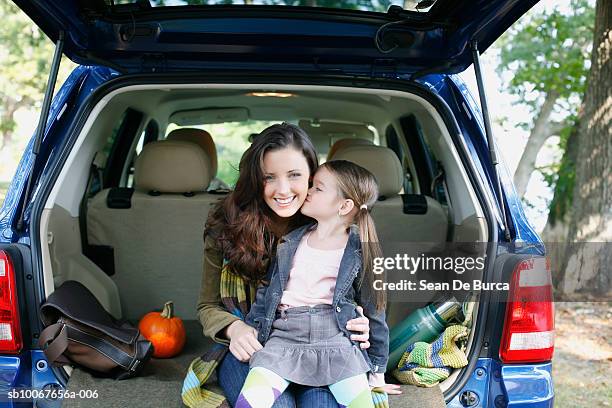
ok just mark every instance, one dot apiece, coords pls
pixel 369 81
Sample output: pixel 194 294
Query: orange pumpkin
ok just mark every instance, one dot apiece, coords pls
pixel 164 330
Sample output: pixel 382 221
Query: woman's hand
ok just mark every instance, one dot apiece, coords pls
pixel 243 340
pixel 360 324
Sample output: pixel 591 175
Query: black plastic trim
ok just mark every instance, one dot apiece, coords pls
pixel 21 259
pixel 128 131
pixel 416 19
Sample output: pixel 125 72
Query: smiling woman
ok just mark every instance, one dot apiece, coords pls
pixel 285 180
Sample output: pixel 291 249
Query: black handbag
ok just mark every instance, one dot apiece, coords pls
pixel 79 331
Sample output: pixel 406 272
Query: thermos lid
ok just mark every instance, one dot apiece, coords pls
pixel 446 307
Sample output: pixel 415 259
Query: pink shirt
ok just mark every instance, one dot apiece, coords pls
pixel 312 279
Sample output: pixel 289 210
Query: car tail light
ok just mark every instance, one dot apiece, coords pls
pixel 528 334
pixel 10 327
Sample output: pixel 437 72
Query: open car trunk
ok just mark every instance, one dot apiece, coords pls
pixel 161 381
pixel 139 250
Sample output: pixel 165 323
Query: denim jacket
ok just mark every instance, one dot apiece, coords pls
pixel 347 295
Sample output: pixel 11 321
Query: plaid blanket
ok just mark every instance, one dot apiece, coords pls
pixel 234 298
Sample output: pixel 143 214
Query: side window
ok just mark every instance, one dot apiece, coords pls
pixel 102 160
pixel 110 141
pixel 422 160
pixel 231 140
pixel 429 170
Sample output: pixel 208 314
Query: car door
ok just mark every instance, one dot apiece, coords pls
pixel 380 37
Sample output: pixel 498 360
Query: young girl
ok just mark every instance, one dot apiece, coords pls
pixel 320 272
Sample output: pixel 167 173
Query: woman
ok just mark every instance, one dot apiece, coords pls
pixel 240 239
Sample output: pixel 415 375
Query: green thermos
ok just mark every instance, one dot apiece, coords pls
pixel 424 324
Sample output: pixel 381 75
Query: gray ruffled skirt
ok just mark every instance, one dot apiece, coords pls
pixel 307 347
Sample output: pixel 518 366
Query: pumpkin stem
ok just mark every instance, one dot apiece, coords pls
pixel 168 311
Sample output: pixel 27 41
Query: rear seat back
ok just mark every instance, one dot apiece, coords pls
pixel 424 224
pixel 345 143
pixel 200 137
pixel 157 239
pixel 205 141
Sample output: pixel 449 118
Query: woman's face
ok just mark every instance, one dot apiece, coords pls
pixel 286 175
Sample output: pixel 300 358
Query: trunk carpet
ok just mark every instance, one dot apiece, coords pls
pixel 160 383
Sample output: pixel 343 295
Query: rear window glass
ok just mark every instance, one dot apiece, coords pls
pixel 231 140
pixel 363 5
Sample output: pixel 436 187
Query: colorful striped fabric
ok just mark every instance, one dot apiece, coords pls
pixel 425 364
pixel 234 298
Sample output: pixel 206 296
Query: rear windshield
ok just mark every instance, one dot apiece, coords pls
pixel 363 5
pixel 231 140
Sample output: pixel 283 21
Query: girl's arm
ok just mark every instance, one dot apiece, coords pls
pixel 379 338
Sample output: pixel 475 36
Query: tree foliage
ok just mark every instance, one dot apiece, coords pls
pixel 550 52
pixel 546 59
pixel 25 61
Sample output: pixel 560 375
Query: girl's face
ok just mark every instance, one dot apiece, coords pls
pixel 286 174
pixel 323 201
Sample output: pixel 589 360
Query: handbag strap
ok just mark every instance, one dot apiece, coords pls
pixel 54 341
pixel 104 347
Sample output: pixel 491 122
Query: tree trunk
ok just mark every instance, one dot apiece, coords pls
pixel 7 123
pixel 538 136
pixel 588 257
pixel 560 209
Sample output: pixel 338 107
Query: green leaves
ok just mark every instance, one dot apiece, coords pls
pixel 549 51
pixel 25 61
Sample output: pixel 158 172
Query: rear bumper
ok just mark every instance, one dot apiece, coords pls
pixel 26 371
pixel 528 385
pixel 494 385
pixel 12 375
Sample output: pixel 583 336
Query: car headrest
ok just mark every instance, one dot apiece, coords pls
pixel 380 161
pixel 200 137
pixel 169 166
pixel 345 143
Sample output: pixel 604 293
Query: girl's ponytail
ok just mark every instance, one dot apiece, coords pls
pixel 370 248
pixel 359 185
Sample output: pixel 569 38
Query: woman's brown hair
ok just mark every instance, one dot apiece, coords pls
pixel 242 222
pixel 359 185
